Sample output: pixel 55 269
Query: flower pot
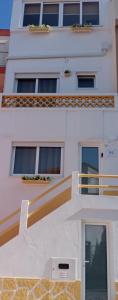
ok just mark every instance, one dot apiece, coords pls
pixel 33 181
pixel 39 29
pixel 81 29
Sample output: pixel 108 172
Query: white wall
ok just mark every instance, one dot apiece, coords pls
pixel 61 42
pixel 60 235
pixel 68 126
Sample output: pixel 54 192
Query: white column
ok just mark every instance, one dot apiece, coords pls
pixel 23 216
pixel 75 182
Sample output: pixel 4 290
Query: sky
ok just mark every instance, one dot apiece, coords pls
pixel 5 13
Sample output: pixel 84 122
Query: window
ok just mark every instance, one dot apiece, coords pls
pixel 46 85
pixel 50 14
pixel 38 85
pixel 37 159
pixel 71 14
pixel 61 14
pixel 25 159
pixel 90 13
pixel 26 85
pixel 31 14
pixel 86 81
pixel 49 160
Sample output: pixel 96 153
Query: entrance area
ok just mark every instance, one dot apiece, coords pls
pixel 95 274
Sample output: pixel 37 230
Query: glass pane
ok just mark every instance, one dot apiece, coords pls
pixel 31 20
pixel 90 165
pixel 32 9
pixel 31 14
pixel 50 8
pixel 47 85
pixel 71 14
pixel 26 86
pixel 72 9
pixel 91 13
pixel 51 14
pixel 96 266
pixel 86 81
pixel 25 158
pixel 49 160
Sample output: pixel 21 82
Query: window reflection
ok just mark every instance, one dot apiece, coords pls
pixel 96 266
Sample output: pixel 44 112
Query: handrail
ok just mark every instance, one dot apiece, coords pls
pixel 34 200
pixel 97 176
pixel 92 186
pixel 9 217
pixel 97 186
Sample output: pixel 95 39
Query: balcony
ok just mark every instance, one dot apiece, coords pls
pixel 58 101
pixel 104 203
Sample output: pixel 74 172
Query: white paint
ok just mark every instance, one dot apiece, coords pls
pixel 59 234
pixel 23 216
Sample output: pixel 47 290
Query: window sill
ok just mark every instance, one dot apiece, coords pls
pixel 56 28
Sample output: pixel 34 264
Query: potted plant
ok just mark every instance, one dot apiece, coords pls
pixel 67 73
pixel 81 28
pixel 40 28
pixel 36 179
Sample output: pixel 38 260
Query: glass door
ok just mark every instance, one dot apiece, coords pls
pixel 95 262
pixel 90 165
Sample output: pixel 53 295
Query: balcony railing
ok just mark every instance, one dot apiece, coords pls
pixel 57 101
pixel 104 186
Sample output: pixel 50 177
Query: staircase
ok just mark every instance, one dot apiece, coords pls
pixel 54 197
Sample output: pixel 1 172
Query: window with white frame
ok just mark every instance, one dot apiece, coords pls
pixel 37 85
pixel 86 81
pixel 62 14
pixel 37 159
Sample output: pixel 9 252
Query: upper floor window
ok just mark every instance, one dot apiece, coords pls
pixel 36 85
pixel 31 14
pixel 61 14
pixel 50 14
pixel 86 81
pixel 71 14
pixel 90 13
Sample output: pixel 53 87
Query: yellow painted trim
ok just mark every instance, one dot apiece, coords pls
pixel 110 193
pixel 9 234
pixel 49 207
pixel 34 200
pixel 9 217
pixel 97 186
pixel 37 215
pixel 97 176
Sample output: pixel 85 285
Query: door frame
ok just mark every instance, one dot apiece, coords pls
pixel 100 147
pixel 109 275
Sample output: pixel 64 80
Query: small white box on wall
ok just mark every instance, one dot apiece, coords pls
pixel 64 268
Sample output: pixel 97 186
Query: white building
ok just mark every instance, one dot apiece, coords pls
pixel 58 115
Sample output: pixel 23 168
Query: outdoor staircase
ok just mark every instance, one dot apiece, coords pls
pixel 36 211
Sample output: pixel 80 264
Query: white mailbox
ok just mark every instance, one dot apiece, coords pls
pixel 64 268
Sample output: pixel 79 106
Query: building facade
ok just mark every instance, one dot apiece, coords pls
pixel 58 116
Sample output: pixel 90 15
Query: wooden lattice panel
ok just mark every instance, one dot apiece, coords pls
pixel 57 101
